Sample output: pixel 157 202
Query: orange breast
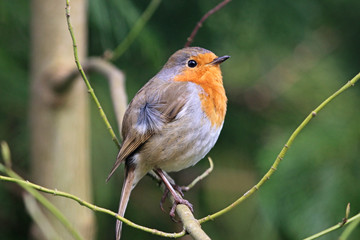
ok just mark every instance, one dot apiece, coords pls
pixel 213 98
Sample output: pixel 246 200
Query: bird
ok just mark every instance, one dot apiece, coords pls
pixel 172 122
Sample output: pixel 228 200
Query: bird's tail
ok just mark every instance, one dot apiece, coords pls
pixel 125 195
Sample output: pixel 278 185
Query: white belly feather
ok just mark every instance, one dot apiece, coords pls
pixel 184 141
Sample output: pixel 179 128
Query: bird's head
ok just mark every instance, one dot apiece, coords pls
pixel 194 64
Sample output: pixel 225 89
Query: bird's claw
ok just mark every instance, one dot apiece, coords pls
pixel 166 193
pixel 178 189
pixel 177 202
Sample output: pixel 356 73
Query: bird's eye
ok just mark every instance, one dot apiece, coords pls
pixel 192 63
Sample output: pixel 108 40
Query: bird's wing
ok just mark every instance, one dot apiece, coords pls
pixel 151 109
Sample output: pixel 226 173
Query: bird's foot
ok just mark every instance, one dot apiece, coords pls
pixel 177 194
pixel 166 193
pixel 178 200
pixel 179 189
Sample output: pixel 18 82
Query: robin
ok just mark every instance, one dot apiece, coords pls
pixel 173 121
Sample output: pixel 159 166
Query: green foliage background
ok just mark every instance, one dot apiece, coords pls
pixel 287 56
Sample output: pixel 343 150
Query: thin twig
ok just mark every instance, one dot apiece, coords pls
pixel 202 20
pixel 88 85
pixel 352 226
pixel 282 152
pixel 116 80
pixel 134 32
pixel 201 177
pixel 91 206
pixel 337 226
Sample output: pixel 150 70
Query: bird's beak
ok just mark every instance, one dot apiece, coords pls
pixel 219 60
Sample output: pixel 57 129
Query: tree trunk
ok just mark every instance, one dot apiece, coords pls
pixel 59 120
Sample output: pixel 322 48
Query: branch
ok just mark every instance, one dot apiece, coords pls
pixel 282 152
pixel 201 177
pixel 202 20
pixel 91 206
pixel 337 226
pixel 116 80
pixel 346 233
pixel 190 224
pixel 87 83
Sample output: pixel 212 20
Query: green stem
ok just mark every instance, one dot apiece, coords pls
pixel 282 152
pixel 88 85
pixel 201 177
pixel 134 32
pixel 337 226
pixel 346 233
pixel 92 207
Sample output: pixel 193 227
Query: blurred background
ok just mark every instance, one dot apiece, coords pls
pixel 286 58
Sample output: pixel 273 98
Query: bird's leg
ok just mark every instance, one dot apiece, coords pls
pixel 180 189
pixel 166 193
pixel 177 198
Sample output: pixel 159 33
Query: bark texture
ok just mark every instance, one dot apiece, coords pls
pixel 59 120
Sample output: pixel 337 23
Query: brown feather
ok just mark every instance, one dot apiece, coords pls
pixel 171 99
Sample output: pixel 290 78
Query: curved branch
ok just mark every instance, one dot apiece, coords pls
pixel 282 152
pixel 201 177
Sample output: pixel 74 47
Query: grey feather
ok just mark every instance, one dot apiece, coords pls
pixel 150 119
